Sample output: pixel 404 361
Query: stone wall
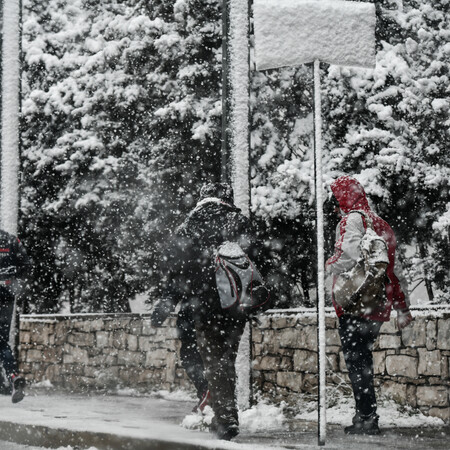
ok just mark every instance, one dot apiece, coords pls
pixel 79 352
pixel 108 351
pixel 411 366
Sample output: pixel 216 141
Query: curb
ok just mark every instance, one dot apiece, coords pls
pixel 41 436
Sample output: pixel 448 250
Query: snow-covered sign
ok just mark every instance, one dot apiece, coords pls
pixel 294 32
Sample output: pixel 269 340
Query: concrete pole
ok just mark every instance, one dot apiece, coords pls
pixel 9 201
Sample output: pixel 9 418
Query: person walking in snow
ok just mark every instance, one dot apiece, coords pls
pixel 358 331
pixel 14 264
pixel 213 221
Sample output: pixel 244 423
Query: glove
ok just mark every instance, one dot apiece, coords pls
pixel 404 318
pixel 161 311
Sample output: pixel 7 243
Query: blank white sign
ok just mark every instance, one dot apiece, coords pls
pixel 294 32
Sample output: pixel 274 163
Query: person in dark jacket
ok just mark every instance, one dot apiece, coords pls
pixel 359 332
pixel 14 264
pixel 213 221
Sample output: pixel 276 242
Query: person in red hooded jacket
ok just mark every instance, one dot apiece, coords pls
pixel 359 332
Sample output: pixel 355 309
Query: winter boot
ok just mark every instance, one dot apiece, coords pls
pixel 363 425
pixel 203 402
pixel 18 385
pixel 226 431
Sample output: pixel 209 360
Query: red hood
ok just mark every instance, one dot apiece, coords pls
pixel 349 194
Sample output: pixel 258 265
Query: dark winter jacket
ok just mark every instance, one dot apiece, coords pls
pixel 191 269
pixel 351 196
pixel 14 261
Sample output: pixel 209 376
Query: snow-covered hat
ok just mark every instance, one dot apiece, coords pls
pixel 219 190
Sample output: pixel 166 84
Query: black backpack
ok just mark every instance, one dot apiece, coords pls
pixel 242 290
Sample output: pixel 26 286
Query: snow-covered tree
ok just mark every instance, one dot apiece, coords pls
pixel 121 124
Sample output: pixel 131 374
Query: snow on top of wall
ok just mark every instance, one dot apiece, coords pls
pixel 294 32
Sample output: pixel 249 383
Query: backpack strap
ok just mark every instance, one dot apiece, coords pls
pixel 367 221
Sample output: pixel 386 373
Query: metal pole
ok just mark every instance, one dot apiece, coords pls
pixel 320 257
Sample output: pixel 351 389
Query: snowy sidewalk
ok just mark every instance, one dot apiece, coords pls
pixel 135 423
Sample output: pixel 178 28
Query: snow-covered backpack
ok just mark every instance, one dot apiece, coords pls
pixel 241 288
pixel 361 290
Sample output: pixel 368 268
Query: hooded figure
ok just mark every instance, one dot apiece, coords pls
pixel 359 332
pixel 211 336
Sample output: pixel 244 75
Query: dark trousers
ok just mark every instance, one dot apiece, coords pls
pixel 218 343
pixel 357 337
pixel 190 357
pixel 6 355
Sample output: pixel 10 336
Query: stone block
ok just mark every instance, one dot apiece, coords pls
pixel 119 340
pixel 379 362
pixel 290 380
pixel 431 333
pixel 135 327
pixel 147 329
pixel 310 382
pixel 332 338
pixel 266 363
pixel 342 365
pixel 332 362
pixel 286 364
pixel 51 355
pixel 288 337
pixel 305 361
pixel 415 335
pixel 130 359
pixel 156 358
pixel 75 355
pixel 389 341
pixel 390 327
pixel 432 396
pixel 81 339
pixel 411 395
pixel 257 336
pixel 303 338
pixel 443 334
pixel 441 413
pixel 430 362
pixel 34 356
pixel 132 342
pixel 396 391
pixel 331 323
pixel 264 321
pixel 89 325
pixel 401 365
pixel 103 339
pixel 25 337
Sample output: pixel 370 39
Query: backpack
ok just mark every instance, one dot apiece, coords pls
pixel 362 290
pixel 241 288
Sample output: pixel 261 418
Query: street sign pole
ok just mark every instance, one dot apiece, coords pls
pixel 320 255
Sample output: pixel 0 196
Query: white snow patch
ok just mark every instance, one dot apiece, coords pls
pixel 47 384
pixel 178 395
pixel 392 415
pixel 263 417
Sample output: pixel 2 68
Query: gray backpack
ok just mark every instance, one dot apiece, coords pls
pixel 361 290
pixel 241 288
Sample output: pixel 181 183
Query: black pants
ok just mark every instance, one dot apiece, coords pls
pixel 6 355
pixel 357 337
pixel 218 343
pixel 189 355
